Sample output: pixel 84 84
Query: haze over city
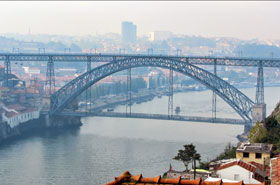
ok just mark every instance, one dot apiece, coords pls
pixel 244 20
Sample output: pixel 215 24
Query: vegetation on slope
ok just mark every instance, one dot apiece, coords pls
pixel 269 131
pixel 229 153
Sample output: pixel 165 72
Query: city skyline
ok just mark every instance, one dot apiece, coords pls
pixel 244 20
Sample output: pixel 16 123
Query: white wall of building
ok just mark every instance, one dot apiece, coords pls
pixel 20 118
pixel 237 173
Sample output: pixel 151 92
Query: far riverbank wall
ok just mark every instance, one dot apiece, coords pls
pixel 37 125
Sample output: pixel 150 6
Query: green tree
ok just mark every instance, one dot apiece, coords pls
pixel 229 152
pixel 187 155
pixel 204 165
pixel 258 134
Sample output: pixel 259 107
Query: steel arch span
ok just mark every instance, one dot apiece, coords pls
pixel 236 99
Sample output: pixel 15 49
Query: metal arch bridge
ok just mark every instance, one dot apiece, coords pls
pixel 89 58
pixel 236 99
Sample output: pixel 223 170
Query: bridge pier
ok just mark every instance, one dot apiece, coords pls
pixel 59 121
pixel 62 121
pixel 258 113
pixel 65 121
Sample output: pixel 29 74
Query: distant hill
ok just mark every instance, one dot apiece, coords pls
pixel 257 50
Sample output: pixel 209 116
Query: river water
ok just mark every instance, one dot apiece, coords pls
pixel 105 147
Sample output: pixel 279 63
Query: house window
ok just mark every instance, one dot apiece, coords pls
pixel 245 154
pixel 258 155
pixel 236 177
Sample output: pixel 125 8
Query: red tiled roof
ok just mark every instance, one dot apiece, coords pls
pixel 16 107
pixel 247 166
pixel 127 179
pixel 243 164
pixel 19 91
pixel 10 114
pixel 28 110
pixel 261 167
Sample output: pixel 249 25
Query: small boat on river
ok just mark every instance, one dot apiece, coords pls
pixel 110 110
pixel 177 110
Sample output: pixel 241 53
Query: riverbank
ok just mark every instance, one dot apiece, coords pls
pixel 39 125
pixel 7 133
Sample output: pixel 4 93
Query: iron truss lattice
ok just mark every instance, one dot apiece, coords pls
pixel 236 99
pixel 85 57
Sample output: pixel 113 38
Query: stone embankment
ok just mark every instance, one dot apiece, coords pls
pixel 36 125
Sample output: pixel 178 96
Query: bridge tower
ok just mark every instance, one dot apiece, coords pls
pixel 170 93
pixel 259 109
pixel 7 70
pixel 128 95
pixel 214 96
pixel 50 78
pixel 88 91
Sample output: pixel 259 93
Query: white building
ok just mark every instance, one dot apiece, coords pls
pixel 16 114
pixel 239 170
pixel 160 35
pixel 32 71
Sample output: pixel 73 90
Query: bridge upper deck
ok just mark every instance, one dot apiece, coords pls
pixel 89 57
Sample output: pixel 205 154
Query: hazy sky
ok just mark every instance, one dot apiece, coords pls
pixel 245 20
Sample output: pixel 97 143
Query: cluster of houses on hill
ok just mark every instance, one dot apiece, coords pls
pixel 19 102
pixel 254 164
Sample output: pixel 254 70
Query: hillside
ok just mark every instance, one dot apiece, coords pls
pixel 269 131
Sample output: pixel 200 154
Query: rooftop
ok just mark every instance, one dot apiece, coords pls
pixel 16 107
pixel 10 114
pixel 259 174
pixel 127 179
pixel 255 147
pixel 262 167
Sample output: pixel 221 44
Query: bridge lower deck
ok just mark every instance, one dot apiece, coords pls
pixel 157 116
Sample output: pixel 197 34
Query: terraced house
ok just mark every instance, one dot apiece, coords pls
pixel 256 152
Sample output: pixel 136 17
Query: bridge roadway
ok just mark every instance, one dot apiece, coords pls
pixel 156 116
pixel 88 57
